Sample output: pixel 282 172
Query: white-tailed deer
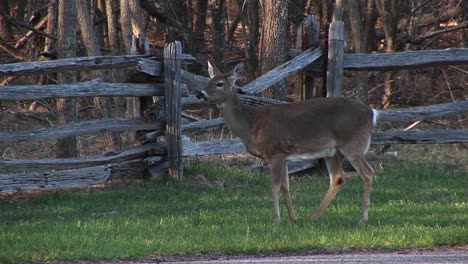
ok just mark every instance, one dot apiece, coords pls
pixel 333 128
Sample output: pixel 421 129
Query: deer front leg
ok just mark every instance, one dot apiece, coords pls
pixel 279 181
pixel 335 172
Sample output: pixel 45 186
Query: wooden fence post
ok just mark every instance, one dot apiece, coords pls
pixel 172 76
pixel 335 58
pixel 308 36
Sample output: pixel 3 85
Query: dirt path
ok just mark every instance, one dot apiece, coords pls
pixel 437 256
pixel 425 257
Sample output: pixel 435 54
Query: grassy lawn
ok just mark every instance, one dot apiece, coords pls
pixel 228 211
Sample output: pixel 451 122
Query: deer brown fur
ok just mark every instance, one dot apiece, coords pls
pixel 332 128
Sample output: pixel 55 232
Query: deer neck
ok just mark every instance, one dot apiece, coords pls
pixel 237 117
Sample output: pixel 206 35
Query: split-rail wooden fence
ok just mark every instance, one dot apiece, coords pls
pixel 152 158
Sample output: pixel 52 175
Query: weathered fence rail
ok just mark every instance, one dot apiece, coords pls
pixel 405 60
pixel 92 88
pixel 134 153
pixel 71 64
pixel 80 128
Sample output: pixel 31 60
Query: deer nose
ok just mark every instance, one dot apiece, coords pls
pixel 201 95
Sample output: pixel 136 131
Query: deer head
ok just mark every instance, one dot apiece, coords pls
pixel 221 87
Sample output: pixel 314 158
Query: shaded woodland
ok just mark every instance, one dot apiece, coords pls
pixel 262 34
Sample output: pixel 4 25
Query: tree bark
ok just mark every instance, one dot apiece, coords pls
pixel 254 35
pixel 274 40
pixel 135 42
pixel 126 25
pixel 112 34
pixel 5 27
pixel 66 42
pixel 218 10
pixel 200 25
pixel 360 44
pixel 387 11
pixel 103 104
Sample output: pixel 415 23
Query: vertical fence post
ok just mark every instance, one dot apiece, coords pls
pixel 335 58
pixel 308 36
pixel 172 76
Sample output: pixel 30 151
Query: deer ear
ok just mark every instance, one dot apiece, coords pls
pixel 212 70
pixel 236 73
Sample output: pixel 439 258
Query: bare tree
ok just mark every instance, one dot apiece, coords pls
pixel 218 11
pixel 112 21
pixel 273 50
pixel 387 10
pixel 252 20
pixel 66 48
pixel 135 42
pixel 5 28
pixel 359 39
pixel 104 105
pixel 200 26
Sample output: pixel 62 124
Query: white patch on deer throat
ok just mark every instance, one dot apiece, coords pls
pixel 325 153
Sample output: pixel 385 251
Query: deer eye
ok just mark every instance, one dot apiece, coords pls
pixel 219 84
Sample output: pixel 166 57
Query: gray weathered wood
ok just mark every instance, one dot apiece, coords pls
pixel 71 64
pixel 213 147
pixel 308 36
pixel 148 66
pixel 421 137
pixel 195 82
pixel 72 178
pixel 424 112
pixel 172 74
pixel 75 163
pixel 153 68
pixel 335 59
pixel 82 89
pixel 79 128
pixel 131 170
pixel 277 74
pixel 54 179
pixel 405 60
pixel 203 124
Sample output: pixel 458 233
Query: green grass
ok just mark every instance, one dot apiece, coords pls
pixel 227 211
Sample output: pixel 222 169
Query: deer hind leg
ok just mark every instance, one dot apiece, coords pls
pixel 280 181
pixel 366 172
pixel 335 172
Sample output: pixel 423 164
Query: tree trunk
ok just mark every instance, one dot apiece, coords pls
pixel 253 24
pixel 126 24
pixel 49 43
pixel 112 35
pixel 274 40
pixel 218 10
pixel 113 41
pixel 360 46
pixel 135 42
pixel 103 104
pixel 5 28
pixel 200 25
pixel 387 11
pixel 66 42
pixel 87 30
